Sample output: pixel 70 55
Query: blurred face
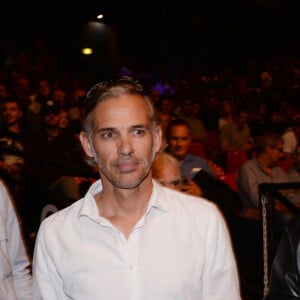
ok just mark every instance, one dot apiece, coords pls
pixel 242 119
pixel 51 120
pixel 63 119
pixel 163 121
pixel 123 142
pixel 60 96
pixel 11 113
pixel 169 176
pixel 274 154
pixel 44 88
pixel 3 91
pixel 179 141
pixel 226 107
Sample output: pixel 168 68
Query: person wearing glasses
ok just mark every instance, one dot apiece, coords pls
pixel 129 237
pixel 262 168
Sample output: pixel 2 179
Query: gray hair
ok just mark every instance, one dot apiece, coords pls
pixel 111 89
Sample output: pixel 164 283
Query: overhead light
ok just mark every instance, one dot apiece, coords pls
pixel 87 51
pixel 100 17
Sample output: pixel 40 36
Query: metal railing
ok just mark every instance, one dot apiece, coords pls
pixel 269 193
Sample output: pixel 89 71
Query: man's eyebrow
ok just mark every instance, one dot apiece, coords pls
pixel 105 129
pixel 140 126
pixel 131 127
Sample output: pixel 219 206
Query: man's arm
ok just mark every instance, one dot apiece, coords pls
pixel 46 280
pixel 220 280
pixel 247 180
pixel 21 266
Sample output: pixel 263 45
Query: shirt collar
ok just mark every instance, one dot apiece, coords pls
pixel 89 208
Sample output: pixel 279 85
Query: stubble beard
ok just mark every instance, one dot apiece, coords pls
pixel 118 181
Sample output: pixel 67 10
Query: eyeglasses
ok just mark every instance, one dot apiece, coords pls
pixel 102 87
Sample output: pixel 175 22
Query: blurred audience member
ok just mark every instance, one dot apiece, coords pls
pixel 165 170
pixel 15 265
pixel 179 138
pixel 60 96
pixel 198 129
pixel 263 168
pixel 226 114
pixel 259 123
pixel 12 138
pixel 64 119
pixel 235 136
pixel 33 109
pixel 54 162
pixel 209 113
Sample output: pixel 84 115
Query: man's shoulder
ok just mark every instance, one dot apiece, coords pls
pixel 60 219
pixel 249 165
pixel 194 157
pixel 185 203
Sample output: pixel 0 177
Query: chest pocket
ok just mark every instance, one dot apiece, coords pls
pixel 5 267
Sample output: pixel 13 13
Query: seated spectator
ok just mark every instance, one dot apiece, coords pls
pixel 15 266
pixel 49 164
pixel 33 108
pixel 12 137
pixel 209 114
pixel 234 135
pixel 226 114
pixel 259 123
pixel 165 169
pixel 179 138
pixel 198 129
pixel 263 168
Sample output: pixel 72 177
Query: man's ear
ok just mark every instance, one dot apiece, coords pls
pixel 158 138
pixel 85 143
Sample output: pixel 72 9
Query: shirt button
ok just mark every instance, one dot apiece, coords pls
pixel 131 267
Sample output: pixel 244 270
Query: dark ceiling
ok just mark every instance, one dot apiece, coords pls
pixel 187 29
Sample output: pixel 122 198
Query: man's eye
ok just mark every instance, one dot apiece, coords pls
pixel 139 132
pixel 107 135
pixel 176 183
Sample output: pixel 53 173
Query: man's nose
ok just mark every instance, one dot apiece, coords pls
pixel 125 145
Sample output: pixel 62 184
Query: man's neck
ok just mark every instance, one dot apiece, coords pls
pixel 266 166
pixel 124 207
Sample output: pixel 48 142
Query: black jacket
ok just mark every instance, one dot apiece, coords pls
pixel 285 277
pixel 219 192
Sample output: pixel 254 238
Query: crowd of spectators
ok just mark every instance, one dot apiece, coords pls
pixel 227 108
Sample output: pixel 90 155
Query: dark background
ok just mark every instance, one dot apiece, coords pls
pixel 159 33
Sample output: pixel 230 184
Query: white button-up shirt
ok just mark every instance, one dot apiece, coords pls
pixel 180 249
pixel 15 276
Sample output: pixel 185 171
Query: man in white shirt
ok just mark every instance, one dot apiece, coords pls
pixel 129 237
pixel 15 266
